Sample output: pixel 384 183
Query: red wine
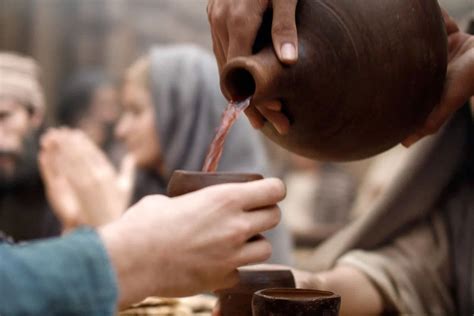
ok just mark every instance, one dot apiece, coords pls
pixel 229 117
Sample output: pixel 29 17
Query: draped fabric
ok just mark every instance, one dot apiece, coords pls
pixel 416 243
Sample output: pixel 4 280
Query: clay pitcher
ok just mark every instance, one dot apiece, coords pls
pixel 369 72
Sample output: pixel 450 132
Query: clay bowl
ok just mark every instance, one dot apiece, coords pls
pixel 237 301
pixel 295 302
pixel 183 182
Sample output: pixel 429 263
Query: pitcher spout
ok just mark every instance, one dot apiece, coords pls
pixel 253 76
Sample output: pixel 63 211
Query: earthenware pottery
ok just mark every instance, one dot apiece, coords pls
pixel 368 74
pixel 237 301
pixel 183 182
pixel 295 302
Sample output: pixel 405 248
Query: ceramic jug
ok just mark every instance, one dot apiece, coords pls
pixel 368 74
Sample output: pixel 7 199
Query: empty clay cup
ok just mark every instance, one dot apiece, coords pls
pixel 295 302
pixel 237 301
pixel 183 182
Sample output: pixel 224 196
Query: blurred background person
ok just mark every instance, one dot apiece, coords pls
pixel 89 102
pixel 24 210
pixel 319 199
pixel 172 106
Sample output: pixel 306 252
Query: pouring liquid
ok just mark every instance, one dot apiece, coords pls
pixel 229 117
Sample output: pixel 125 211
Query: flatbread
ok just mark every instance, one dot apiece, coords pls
pixel 200 305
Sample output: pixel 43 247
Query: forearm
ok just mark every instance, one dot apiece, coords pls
pixel 358 293
pixel 127 250
pixel 60 276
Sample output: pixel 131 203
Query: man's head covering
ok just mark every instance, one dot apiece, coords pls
pixel 19 79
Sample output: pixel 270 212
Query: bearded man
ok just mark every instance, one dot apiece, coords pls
pixel 24 210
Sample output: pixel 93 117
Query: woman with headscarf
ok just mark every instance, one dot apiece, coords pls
pixel 172 106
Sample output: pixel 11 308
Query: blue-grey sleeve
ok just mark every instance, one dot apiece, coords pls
pixel 71 275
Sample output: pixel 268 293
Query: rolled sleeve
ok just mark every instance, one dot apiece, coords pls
pixel 411 273
pixel 71 275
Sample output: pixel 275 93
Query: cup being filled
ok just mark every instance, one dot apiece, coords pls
pixel 183 182
pixel 238 299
